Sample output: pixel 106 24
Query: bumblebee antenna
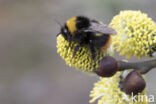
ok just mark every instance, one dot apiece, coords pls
pixel 58 22
pixel 59 25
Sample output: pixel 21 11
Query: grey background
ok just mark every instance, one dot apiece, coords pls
pixel 31 72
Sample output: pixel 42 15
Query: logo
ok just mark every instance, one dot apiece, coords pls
pixel 139 98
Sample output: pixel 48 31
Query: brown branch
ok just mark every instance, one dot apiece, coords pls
pixel 108 66
pixel 142 66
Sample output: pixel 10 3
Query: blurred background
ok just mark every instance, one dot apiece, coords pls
pixel 31 71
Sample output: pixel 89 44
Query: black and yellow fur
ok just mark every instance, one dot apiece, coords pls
pixel 79 29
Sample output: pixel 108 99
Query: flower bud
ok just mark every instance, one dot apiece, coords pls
pixel 108 66
pixel 134 83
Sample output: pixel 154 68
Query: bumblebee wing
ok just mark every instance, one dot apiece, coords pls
pixel 100 28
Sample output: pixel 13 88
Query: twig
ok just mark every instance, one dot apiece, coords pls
pixel 142 66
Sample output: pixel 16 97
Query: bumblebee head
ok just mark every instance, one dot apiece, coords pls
pixel 65 32
pixel 77 23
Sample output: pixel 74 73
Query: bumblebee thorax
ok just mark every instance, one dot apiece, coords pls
pixel 77 23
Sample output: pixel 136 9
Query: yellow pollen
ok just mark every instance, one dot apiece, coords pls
pixel 136 33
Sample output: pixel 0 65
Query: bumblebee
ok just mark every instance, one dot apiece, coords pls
pixel 87 32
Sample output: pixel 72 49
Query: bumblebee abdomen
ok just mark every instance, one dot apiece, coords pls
pixel 108 43
pixel 101 41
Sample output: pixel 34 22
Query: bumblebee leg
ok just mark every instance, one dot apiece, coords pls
pixel 92 50
pixel 69 43
pixel 76 49
pixel 69 38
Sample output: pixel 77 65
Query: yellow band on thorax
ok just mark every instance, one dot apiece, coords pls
pixel 71 24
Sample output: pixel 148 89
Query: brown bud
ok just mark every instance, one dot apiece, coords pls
pixel 108 66
pixel 134 83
